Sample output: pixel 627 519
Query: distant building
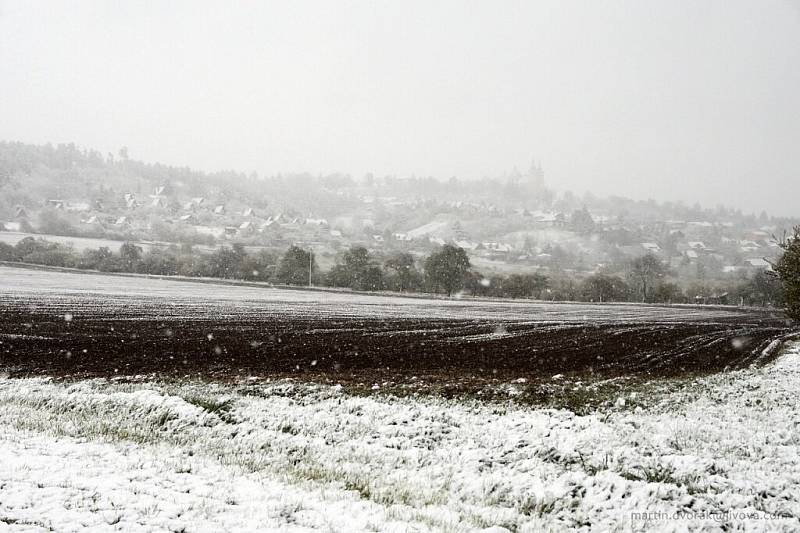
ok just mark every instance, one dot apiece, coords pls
pixel 130 200
pixel 730 269
pixel 549 219
pixel 213 231
pixel 430 229
pixel 651 247
pixel 158 201
pixel 467 245
pixel 758 263
pixel 757 235
pixel 536 177
pixel 77 207
pixel 748 246
pixel 496 250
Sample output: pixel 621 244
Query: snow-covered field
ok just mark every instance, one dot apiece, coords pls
pixel 113 295
pixel 721 454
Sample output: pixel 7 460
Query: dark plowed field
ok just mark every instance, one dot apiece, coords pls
pixel 92 325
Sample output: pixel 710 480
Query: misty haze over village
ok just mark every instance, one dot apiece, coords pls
pixel 399 266
pixel 568 247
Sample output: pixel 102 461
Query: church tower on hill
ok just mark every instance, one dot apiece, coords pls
pixel 536 176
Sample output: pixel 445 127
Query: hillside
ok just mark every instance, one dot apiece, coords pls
pixel 512 223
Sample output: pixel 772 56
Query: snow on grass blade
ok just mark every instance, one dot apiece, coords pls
pixel 202 457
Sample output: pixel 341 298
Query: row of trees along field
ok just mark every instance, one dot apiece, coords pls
pixel 445 271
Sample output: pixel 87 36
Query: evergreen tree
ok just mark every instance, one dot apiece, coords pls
pixel 788 269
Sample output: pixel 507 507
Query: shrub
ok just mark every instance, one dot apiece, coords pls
pixel 8 252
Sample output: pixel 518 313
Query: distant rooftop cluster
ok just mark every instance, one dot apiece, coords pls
pixel 512 222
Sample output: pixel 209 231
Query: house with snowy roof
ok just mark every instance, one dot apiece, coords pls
pixel 467 245
pixel 758 263
pixel 158 201
pixel 130 200
pixel 651 247
pixel 77 207
pixel 10 226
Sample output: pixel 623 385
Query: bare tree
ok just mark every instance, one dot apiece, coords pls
pixel 644 272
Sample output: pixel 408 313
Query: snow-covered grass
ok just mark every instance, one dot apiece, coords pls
pixel 252 457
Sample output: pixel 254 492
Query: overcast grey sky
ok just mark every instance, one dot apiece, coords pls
pixel 690 100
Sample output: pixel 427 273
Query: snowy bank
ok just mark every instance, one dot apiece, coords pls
pixel 719 455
